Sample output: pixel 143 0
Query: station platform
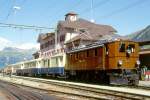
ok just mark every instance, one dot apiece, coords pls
pixel 144 83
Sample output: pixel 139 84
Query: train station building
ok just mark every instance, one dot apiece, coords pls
pixel 52 45
pixel 145 59
pixel 145 53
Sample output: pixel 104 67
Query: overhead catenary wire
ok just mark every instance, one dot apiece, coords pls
pixel 25 26
pixel 95 6
pixel 131 5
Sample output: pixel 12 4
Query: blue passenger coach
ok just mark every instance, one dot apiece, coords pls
pixel 39 67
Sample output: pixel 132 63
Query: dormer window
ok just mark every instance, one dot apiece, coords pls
pixel 82 30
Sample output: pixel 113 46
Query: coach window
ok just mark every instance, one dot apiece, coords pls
pixel 44 63
pixel 48 62
pixel 122 47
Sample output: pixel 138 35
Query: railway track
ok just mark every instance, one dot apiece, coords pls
pixel 17 92
pixel 76 91
pixel 133 87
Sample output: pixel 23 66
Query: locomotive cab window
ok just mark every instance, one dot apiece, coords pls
pixel 131 47
pixel 122 47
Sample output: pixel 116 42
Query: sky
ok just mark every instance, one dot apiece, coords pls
pixel 126 16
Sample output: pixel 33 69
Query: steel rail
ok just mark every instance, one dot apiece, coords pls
pixel 107 92
pixel 14 92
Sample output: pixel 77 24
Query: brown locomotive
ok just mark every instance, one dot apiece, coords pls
pixel 109 61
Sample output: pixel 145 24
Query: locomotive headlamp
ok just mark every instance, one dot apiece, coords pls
pixel 120 62
pixel 138 62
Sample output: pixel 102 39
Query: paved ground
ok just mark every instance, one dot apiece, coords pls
pixel 144 83
pixel 2 95
pixel 10 91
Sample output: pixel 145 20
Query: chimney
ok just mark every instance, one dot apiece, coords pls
pixel 71 16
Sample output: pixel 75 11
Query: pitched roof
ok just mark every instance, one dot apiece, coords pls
pixel 103 40
pixel 87 29
pixel 82 36
pixel 92 28
pixel 71 13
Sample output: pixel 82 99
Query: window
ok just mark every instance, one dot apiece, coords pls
pixel 106 49
pixel 71 56
pixel 52 42
pixel 122 47
pixel 41 46
pixel 95 52
pixel 49 43
pixel 77 56
pixel 62 38
pixel 46 44
pixel 81 55
pixel 131 47
pixel 82 30
pixel 87 53
pixel 48 62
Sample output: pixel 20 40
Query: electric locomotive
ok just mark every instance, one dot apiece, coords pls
pixel 105 61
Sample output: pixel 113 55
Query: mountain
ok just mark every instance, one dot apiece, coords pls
pixel 12 49
pixel 10 55
pixel 142 35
